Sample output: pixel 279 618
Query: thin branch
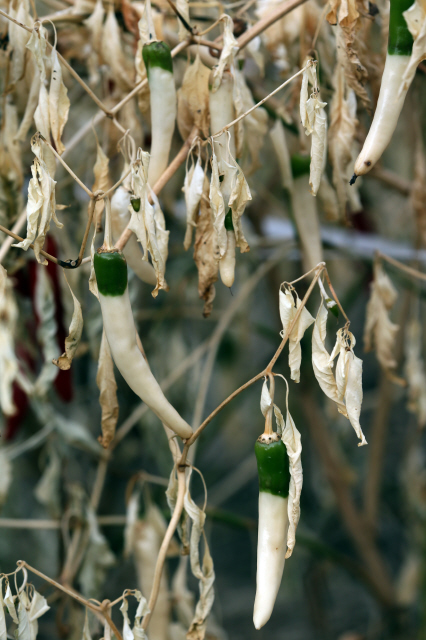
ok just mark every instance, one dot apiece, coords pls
pixel 15 229
pixel 13 235
pixel 174 521
pixel 414 273
pixel 334 294
pixel 180 16
pixel 64 164
pixel 267 21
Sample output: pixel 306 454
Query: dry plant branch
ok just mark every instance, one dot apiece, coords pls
pixel 15 229
pixel 414 273
pixel 174 521
pixel 267 21
pixel 352 517
pixel 73 594
pixel 64 164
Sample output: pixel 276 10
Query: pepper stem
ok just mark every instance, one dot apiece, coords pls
pixel 268 419
pixel 108 233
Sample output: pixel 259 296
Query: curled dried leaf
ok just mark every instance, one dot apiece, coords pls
pixel 74 336
pixel 380 332
pixel 105 379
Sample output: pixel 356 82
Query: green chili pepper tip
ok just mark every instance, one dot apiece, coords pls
pixel 157 54
pixel 273 468
pixel 111 273
pixel 400 40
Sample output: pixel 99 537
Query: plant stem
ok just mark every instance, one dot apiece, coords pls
pixel 174 521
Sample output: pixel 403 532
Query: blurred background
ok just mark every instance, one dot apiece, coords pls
pixel 358 569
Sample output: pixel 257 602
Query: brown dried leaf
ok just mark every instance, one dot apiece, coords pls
pixel 113 54
pixel 73 339
pixel 193 99
pixel 418 193
pixel 59 104
pixel 206 252
pixel 348 46
pixel 343 125
pixel 105 380
pixel 379 331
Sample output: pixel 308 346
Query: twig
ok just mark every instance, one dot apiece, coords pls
pixel 177 161
pixel 43 253
pixel 414 273
pixel 64 164
pixel 259 104
pixel 15 229
pixel 180 16
pixel 267 21
pixel 165 546
pixel 334 294
pixel 73 594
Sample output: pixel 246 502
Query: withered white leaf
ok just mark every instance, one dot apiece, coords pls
pixel 204 573
pixel 288 308
pixel 265 398
pixel 193 190
pixel 193 99
pixel 105 379
pixel 9 601
pixel 217 206
pixel 44 302
pixel 161 233
pixel 321 363
pixel 112 51
pixel 414 370
pixel 18 38
pixel 293 444
pixel 317 120
pixel 206 252
pixel 279 143
pixel 309 77
pixel 349 379
pixel 102 182
pixel 240 196
pixel 149 229
pixel 415 17
pixel 379 330
pixel 41 207
pixel 228 53
pixel 250 132
pixel 8 361
pixel 37 45
pixel 59 103
pixel 343 126
pixel 26 630
pixel 38 606
pixel 98 559
pixel 74 336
